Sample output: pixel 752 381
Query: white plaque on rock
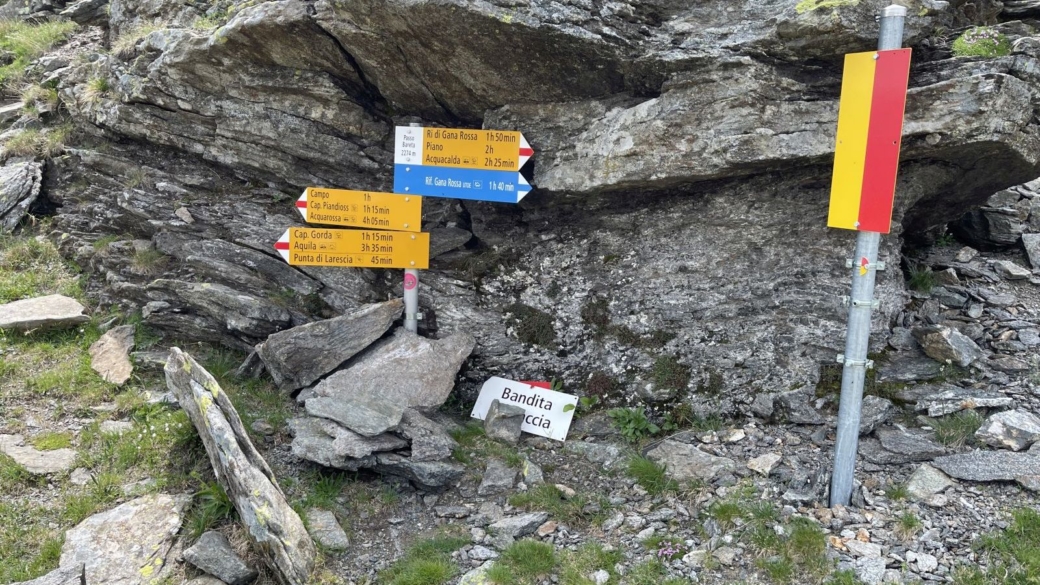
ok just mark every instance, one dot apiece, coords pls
pixel 546 412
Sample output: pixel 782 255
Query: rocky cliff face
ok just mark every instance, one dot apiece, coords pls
pixel 682 168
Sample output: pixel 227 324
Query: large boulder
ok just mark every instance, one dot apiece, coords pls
pixel 404 371
pixel 273 526
pixel 299 356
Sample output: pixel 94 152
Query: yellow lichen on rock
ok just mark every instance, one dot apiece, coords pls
pixel 810 5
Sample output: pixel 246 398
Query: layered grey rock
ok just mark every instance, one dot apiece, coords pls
pixel 950 399
pixel 503 421
pixel 47 312
pixel 1011 429
pixel 110 355
pixel 947 345
pixel 299 356
pixel 404 371
pixel 430 475
pixel 128 542
pixel 19 188
pixel 685 462
pixel 35 461
pixel 1010 270
pixel 517 526
pixel 1031 243
pixel 325 442
pixel 982 465
pixel 271 523
pixel 874 412
pixel 213 554
pixel 367 413
pixel 242 314
pixel 429 440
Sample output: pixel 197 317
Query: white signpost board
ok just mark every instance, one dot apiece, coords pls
pixel 545 408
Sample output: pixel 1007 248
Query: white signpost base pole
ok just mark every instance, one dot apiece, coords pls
pixel 861 305
pixel 411 300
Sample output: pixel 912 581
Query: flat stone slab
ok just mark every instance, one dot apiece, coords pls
pixel 49 312
pixel 982 465
pixel 927 481
pixel 300 356
pixel 684 462
pixel 323 441
pixel 326 530
pixel 71 575
pixel 35 461
pixel 405 371
pixel 110 355
pixel 951 399
pixel 129 543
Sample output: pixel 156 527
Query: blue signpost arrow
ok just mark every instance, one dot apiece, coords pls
pixel 456 183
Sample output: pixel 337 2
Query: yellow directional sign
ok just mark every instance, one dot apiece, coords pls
pixel 495 150
pixel 304 246
pixel 365 209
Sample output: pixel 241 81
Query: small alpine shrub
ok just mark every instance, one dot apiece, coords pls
pixel 981 41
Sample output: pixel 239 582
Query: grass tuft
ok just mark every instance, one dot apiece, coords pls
pixel 958 428
pixel 22 42
pixel 427 562
pixel 650 475
pixel 525 562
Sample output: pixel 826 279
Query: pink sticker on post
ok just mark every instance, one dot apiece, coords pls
pixel 410 281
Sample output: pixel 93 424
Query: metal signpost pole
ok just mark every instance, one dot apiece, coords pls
pixel 861 305
pixel 411 294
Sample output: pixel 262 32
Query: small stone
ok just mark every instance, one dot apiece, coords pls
pixel 869 570
pixel 451 511
pixel 546 529
pixel 600 577
pixel 614 522
pixel 213 554
pixel 565 492
pixel 1010 270
pixel 862 535
pixel 1011 429
pixel 966 254
pixel 944 344
pixel 477 576
pixel 684 462
pixel 110 355
pixel 695 558
pixel 926 563
pixel 517 526
pixel 765 463
pixel 262 427
pixel 733 436
pixel 498 477
pixel 726 555
pixel 482 553
pixel 503 421
pixel 1031 242
pixel 863 549
pixel 184 215
pixel 531 473
pixel 80 476
pixel 836 542
pixel 927 481
pixel 646 533
pixel 326 530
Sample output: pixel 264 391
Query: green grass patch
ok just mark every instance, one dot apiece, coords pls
pixel 30 538
pixel 981 41
pixel 651 572
pixel 1015 552
pixel 650 475
pixel 669 373
pixel 548 498
pixel 525 562
pixel 956 429
pixel 427 562
pixel 211 508
pixel 476 448
pixel 907 525
pixel 31 267
pixel 22 42
pixel 50 441
pixel 576 566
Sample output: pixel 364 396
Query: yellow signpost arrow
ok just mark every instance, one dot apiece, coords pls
pixel 301 246
pixel 493 150
pixel 364 209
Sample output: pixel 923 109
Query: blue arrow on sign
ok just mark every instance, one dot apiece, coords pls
pixel 455 183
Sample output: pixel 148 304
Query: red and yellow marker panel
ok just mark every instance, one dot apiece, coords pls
pixel 870 127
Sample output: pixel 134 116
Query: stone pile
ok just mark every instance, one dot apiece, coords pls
pixel 376 413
